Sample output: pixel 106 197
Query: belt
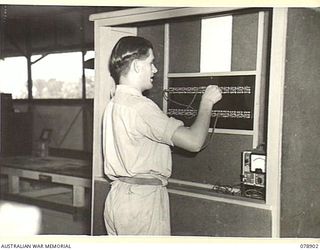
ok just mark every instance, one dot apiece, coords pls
pixel 141 181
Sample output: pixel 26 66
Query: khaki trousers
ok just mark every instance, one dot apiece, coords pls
pixel 132 209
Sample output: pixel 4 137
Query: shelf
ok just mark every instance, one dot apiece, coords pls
pixel 202 193
pixel 199 74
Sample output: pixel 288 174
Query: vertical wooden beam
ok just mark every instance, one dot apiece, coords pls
pixel 105 38
pixel 85 127
pixel 166 63
pixel 275 114
pixel 28 56
pixel 83 50
pixel 29 65
pixel 257 94
pixel 3 20
pixel 78 198
pixel 83 75
pixel 14 184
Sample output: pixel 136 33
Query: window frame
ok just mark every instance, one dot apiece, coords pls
pixel 29 82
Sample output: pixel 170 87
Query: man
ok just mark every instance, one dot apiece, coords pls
pixel 136 143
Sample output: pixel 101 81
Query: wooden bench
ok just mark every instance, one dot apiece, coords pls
pixel 72 172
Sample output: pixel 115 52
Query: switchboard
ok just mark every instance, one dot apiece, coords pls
pixel 235 110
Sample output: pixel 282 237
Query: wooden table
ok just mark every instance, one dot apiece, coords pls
pixel 73 172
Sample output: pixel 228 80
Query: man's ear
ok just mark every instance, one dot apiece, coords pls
pixel 135 65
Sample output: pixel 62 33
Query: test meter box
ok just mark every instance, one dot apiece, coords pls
pixel 253 174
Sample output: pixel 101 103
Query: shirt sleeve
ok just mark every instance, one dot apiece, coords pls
pixel 153 123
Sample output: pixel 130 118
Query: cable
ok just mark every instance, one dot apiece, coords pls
pixel 253 193
pixel 168 99
pixel 189 106
pixel 211 136
pixel 226 189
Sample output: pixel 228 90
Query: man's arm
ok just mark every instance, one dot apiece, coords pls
pixel 192 138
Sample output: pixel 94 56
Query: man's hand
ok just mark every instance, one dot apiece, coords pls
pixel 212 94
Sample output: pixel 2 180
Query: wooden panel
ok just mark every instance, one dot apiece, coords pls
pixel 6 113
pixel 199 218
pixel 208 218
pixel 219 163
pixel 66 123
pixel 184 46
pixel 136 15
pixel 22 133
pixel 105 39
pixel 101 189
pixel 300 202
pixel 244 42
pixel 155 34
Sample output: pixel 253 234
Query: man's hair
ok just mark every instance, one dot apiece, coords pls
pixel 124 52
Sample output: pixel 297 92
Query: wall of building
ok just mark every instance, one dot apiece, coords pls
pixel 70 122
pixel 300 202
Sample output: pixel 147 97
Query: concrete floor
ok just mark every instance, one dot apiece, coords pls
pixel 62 223
pixel 55 221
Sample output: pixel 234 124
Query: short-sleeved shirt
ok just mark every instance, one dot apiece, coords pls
pixel 137 136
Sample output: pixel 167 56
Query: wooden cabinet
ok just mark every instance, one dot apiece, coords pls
pixel 109 27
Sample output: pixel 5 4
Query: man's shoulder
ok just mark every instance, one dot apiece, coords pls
pixel 146 103
pixel 135 102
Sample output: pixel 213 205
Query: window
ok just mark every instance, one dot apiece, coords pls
pixel 53 76
pixel 216 42
pixel 14 77
pixel 89 76
pixel 57 76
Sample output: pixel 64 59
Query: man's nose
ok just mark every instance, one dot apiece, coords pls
pixel 154 69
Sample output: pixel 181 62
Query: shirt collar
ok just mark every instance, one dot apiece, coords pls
pixel 128 90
